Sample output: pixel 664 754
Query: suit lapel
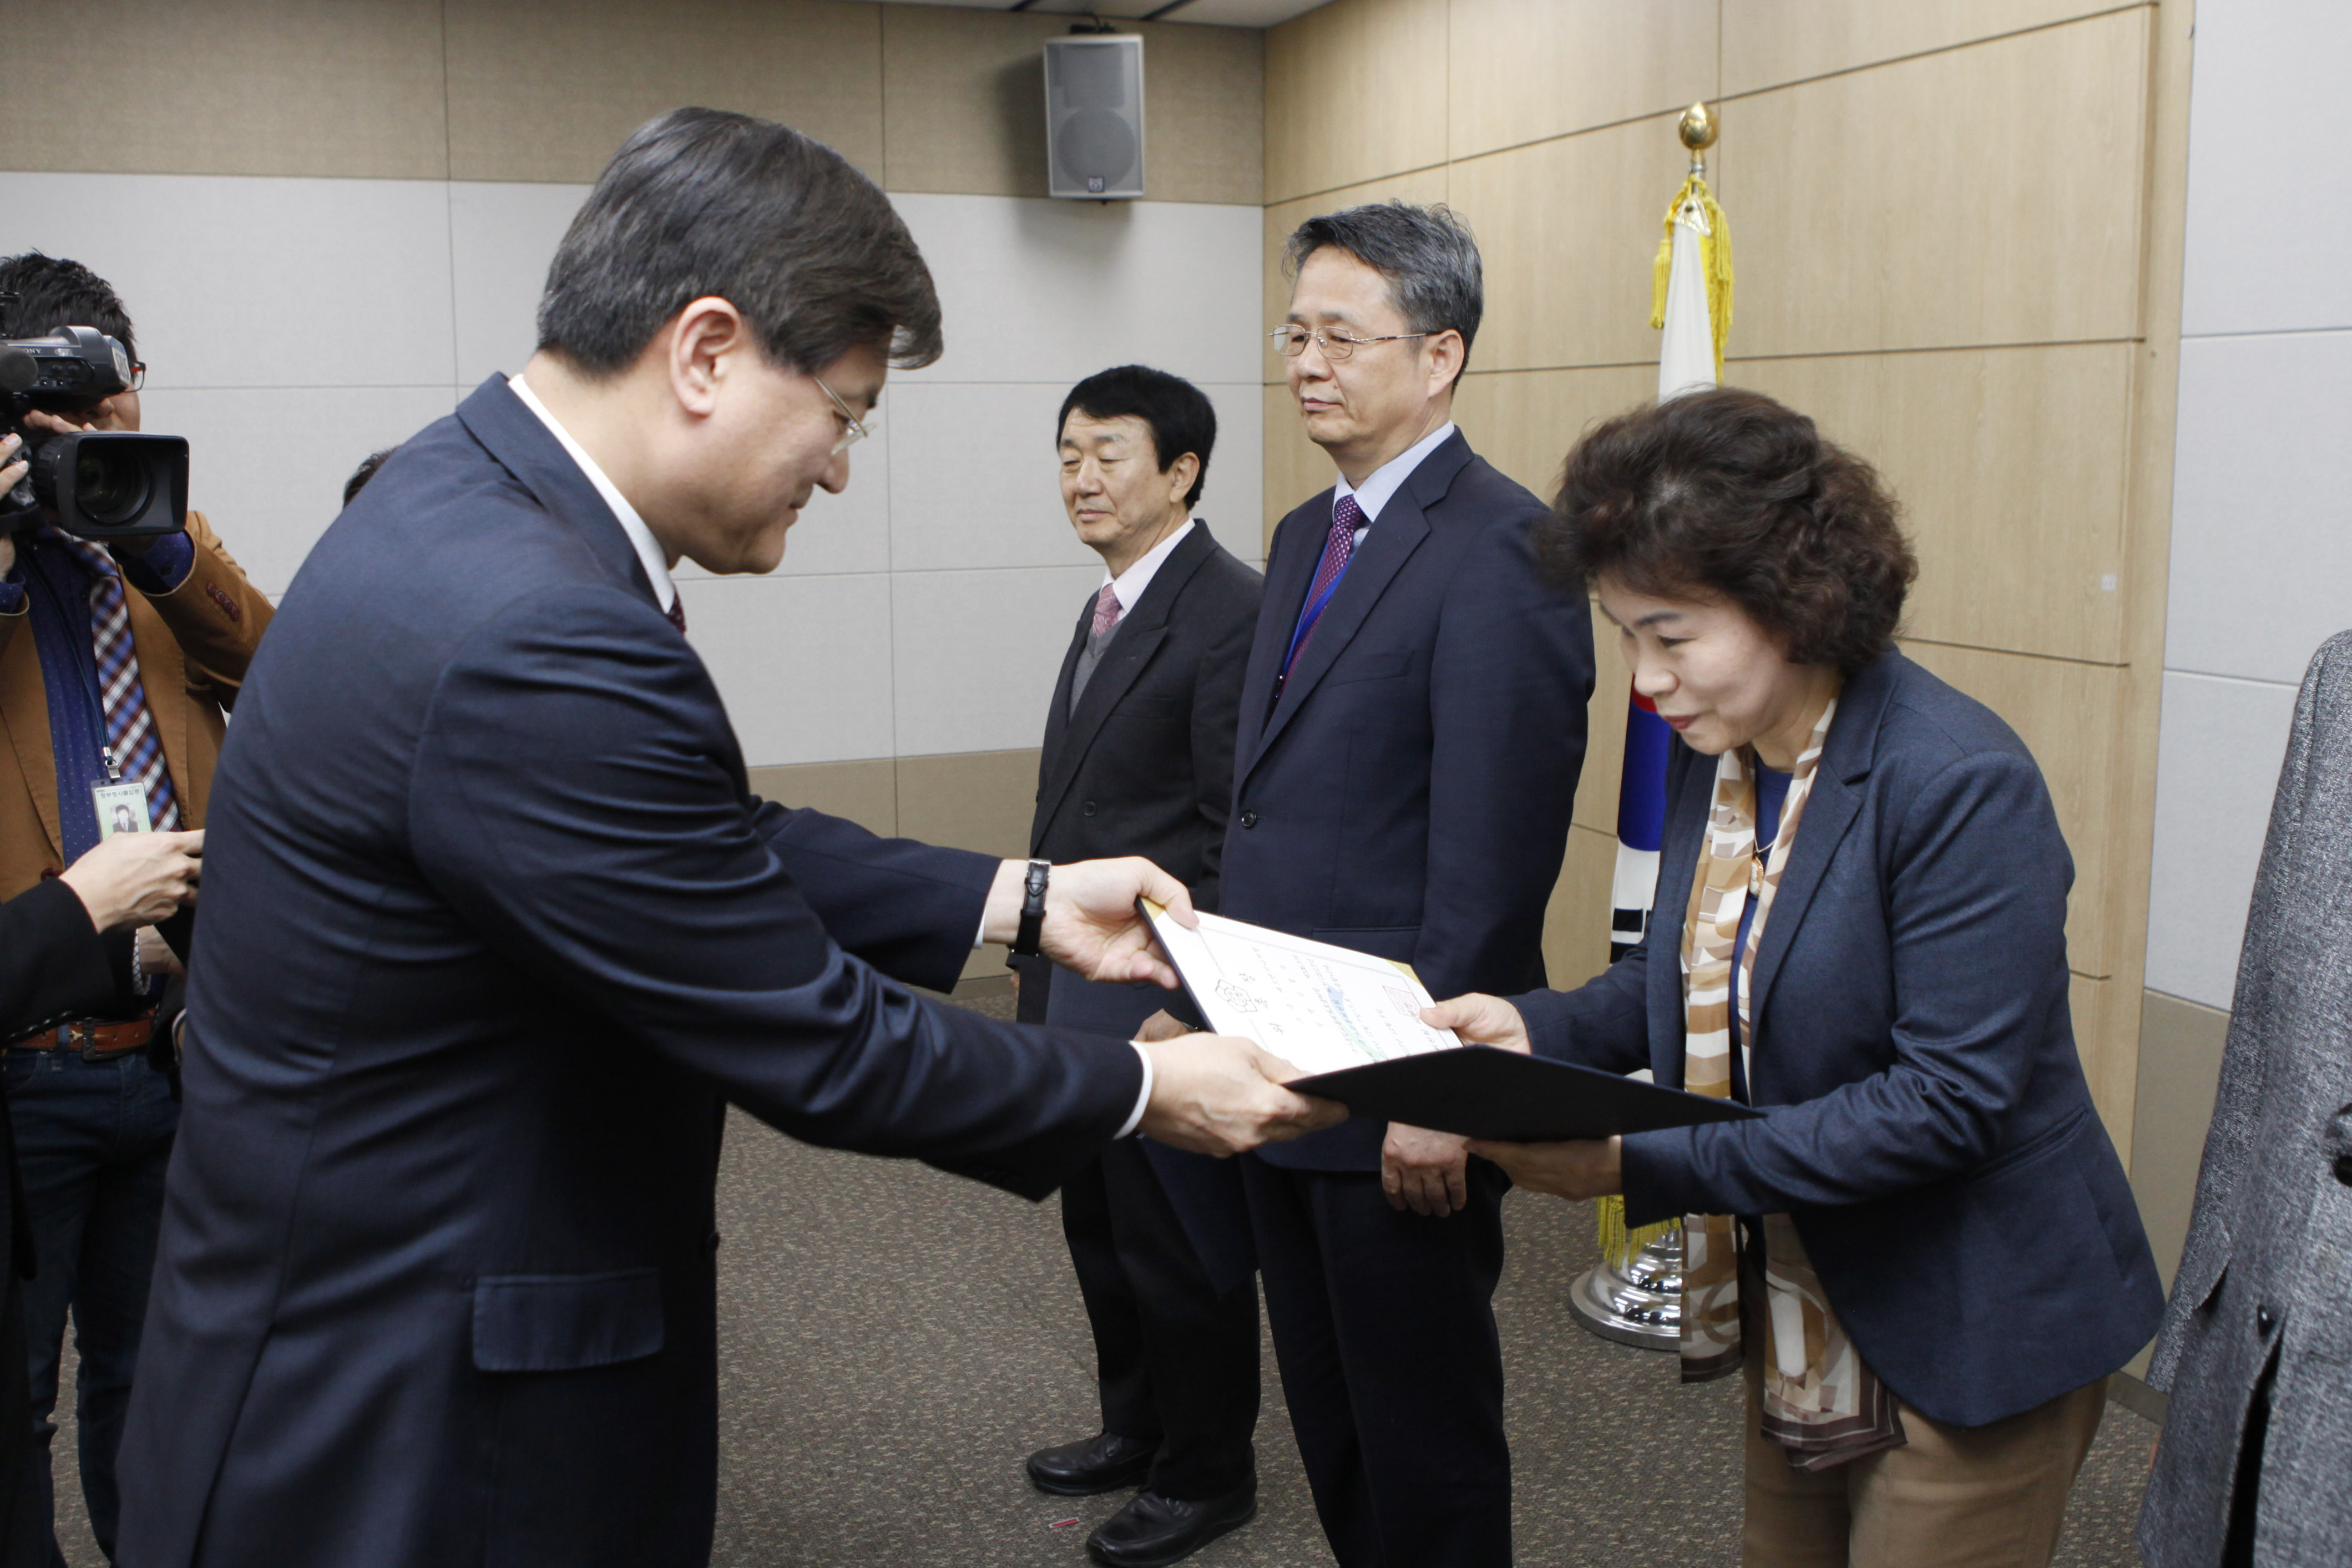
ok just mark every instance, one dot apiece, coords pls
pixel 528 450
pixel 25 709
pixel 1129 652
pixel 1829 809
pixel 1289 567
pixel 1386 547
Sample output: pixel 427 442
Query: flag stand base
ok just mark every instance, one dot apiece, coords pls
pixel 1638 1301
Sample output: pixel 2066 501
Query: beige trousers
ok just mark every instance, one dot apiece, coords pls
pixel 1952 1497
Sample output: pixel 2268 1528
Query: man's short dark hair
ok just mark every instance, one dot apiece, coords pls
pixel 364 472
pixel 702 203
pixel 1730 494
pixel 1435 280
pixel 1178 413
pixel 52 292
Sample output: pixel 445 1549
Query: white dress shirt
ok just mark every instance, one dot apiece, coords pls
pixel 1382 483
pixel 649 553
pixel 1129 585
pixel 649 550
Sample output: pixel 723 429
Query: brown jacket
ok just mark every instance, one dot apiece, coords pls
pixel 193 646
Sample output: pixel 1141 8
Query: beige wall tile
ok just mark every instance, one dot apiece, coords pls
pixel 1354 91
pixel 1569 231
pixel 1576 922
pixel 1525 69
pixel 2010 464
pixel 547 90
pixel 2068 716
pixel 2180 1047
pixel 970 800
pixel 239 87
pixel 866 791
pixel 1427 187
pixel 1989 194
pixel 964 105
pixel 1204 107
pixel 1769 42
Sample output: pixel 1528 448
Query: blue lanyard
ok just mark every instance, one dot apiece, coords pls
pixel 1313 612
pixel 86 668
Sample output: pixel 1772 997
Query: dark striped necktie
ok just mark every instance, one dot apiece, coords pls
pixel 129 727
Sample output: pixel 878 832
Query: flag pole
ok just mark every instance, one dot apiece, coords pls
pixel 1634 1295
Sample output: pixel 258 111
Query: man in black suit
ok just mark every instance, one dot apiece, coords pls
pixel 1138 759
pixel 1411 730
pixel 496 930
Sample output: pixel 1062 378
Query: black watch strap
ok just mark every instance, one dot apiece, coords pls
pixel 1033 909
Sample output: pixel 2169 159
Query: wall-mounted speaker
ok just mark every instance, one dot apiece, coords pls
pixel 1094 116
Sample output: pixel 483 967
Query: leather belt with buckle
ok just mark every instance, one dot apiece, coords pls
pixel 95 1041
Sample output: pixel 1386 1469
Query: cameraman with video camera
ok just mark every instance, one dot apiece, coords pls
pixel 124 635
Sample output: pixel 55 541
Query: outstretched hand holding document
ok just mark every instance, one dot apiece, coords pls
pixel 1352 1023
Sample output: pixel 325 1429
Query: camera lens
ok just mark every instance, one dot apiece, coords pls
pixel 112 483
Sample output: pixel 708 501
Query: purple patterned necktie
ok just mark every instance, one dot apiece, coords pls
pixel 129 727
pixel 1338 549
pixel 1106 611
pixel 677 610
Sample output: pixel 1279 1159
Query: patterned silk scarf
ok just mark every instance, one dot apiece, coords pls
pixel 1822 1405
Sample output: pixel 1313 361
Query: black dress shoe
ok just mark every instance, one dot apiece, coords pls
pixel 1101 1464
pixel 1152 1532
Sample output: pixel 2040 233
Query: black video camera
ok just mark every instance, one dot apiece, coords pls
pixel 103 484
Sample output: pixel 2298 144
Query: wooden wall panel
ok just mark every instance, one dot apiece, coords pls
pixel 2066 713
pixel 1768 43
pixel 1522 70
pixel 1568 231
pixel 1283 217
pixel 1524 422
pixel 2010 466
pixel 1576 922
pixel 970 800
pixel 1355 92
pixel 234 87
pixel 2110 1056
pixel 546 90
pixel 1984 195
pixel 1295 468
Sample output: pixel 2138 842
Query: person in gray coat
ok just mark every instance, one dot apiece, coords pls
pixel 2255 1465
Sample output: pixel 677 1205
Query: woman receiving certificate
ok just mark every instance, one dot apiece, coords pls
pixel 1924 1257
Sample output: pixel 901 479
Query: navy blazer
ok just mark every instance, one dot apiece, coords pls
pixel 493 930
pixel 1409 795
pixel 1929 1128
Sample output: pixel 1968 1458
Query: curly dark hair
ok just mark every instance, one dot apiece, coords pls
pixel 1727 494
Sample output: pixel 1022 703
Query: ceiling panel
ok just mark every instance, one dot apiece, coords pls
pixel 1221 13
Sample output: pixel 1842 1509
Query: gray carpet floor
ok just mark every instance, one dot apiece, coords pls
pixel 894 1341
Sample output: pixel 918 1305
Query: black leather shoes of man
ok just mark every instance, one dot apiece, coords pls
pixel 1103 1463
pixel 1152 1531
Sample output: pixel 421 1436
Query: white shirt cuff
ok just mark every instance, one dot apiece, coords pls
pixel 1134 1116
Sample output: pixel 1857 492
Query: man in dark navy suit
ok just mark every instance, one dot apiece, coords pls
pixel 1412 726
pixel 495 930
pixel 1138 759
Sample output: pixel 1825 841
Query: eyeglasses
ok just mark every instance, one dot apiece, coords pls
pixel 1291 342
pixel 855 429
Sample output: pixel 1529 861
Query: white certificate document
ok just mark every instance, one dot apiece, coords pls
pixel 1319 1007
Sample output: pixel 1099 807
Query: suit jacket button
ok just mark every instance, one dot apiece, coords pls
pixel 2344 1169
pixel 1249 819
pixel 1090 808
pixel 2263 1319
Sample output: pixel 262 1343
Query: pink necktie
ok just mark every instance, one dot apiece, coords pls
pixel 677 610
pixel 1338 549
pixel 1106 610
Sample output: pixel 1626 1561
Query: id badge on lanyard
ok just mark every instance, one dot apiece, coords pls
pixel 121 807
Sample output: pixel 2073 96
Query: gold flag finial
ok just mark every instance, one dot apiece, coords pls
pixel 1699 131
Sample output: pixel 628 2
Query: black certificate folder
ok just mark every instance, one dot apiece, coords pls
pixel 1481 1091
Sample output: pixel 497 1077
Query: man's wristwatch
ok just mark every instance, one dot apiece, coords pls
pixel 1033 909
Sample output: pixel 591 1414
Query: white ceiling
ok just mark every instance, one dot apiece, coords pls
pixel 1223 13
